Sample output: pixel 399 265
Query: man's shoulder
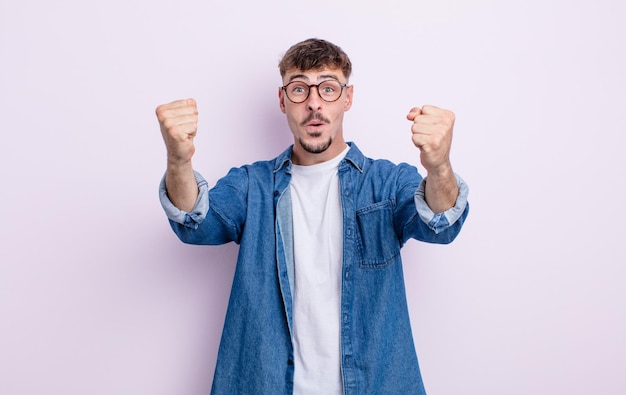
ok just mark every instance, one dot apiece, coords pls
pixel 259 165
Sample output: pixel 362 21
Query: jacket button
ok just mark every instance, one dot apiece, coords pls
pixel 290 362
pixel 275 193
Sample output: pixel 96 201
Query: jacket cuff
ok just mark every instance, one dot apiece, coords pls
pixel 438 222
pixel 198 212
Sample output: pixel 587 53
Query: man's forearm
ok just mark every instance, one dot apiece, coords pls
pixel 441 190
pixel 181 185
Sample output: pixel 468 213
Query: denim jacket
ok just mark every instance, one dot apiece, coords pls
pixel 383 206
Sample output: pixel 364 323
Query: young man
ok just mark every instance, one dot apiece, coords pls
pixel 318 302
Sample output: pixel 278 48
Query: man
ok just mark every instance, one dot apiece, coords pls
pixel 318 302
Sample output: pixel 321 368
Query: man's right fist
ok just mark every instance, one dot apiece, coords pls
pixel 179 125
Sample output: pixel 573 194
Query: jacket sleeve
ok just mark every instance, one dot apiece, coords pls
pixel 218 215
pixel 418 221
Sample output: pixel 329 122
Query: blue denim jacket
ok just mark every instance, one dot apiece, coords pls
pixel 383 206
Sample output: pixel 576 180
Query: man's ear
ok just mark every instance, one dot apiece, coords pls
pixel 281 99
pixel 349 95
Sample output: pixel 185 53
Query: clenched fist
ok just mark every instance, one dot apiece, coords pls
pixel 432 134
pixel 179 125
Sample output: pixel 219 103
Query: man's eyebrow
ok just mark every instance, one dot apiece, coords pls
pixel 322 77
pixel 329 76
pixel 296 76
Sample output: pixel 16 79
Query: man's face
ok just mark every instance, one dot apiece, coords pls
pixel 317 125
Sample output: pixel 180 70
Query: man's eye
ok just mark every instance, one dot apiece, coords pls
pixel 298 89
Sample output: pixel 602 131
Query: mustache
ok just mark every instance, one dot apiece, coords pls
pixel 315 116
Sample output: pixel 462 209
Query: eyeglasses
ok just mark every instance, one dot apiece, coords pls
pixel 329 90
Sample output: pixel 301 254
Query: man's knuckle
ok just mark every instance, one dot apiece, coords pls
pixel 161 110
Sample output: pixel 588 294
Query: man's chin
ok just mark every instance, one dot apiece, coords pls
pixel 316 148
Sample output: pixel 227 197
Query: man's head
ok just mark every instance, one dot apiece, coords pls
pixel 314 96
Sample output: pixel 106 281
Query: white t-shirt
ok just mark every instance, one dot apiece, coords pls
pixel 318 249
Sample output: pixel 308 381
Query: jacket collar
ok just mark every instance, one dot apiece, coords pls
pixel 354 157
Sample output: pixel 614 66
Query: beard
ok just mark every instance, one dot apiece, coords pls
pixel 317 148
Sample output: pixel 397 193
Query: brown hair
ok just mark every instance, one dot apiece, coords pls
pixel 315 54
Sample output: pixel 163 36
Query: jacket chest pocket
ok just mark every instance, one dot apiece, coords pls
pixel 377 242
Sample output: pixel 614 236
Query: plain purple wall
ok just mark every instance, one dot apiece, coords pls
pixel 98 297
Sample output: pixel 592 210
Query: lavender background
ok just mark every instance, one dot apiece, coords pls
pixel 98 297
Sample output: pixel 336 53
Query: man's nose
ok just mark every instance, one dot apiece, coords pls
pixel 314 101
